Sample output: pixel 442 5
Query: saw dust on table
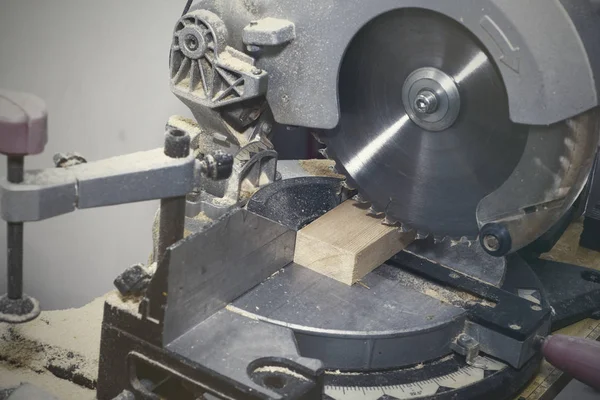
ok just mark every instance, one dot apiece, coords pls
pixel 320 168
pixel 57 352
pixel 550 380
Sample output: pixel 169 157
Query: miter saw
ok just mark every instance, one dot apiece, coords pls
pixel 472 123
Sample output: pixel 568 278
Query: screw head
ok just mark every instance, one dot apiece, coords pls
pixel 426 102
pixel 465 340
pixel 266 127
pixel 191 42
pixel 491 242
pixel 256 71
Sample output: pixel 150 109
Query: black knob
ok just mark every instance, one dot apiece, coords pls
pixel 217 166
pixel 495 239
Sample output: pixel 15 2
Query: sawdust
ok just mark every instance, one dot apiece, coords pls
pixel 129 304
pixel 567 249
pixel 280 370
pixel 11 377
pixel 60 344
pixel 453 297
pixel 234 61
pixel 320 168
pixel 223 201
pixel 202 217
pixel 247 192
pixel 340 372
pixel 185 124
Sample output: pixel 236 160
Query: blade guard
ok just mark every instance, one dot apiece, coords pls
pixel 546 182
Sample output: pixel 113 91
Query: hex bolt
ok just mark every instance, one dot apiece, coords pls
pixel 465 340
pixel 426 102
pixel 172 210
pixel 467 346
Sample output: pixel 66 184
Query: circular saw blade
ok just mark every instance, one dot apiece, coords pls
pixel 429 181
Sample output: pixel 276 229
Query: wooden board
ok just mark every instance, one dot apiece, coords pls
pixel 346 243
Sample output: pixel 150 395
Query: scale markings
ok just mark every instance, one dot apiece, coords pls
pixel 455 380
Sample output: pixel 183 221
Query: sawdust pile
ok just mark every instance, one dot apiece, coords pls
pixel 60 344
pixel 320 168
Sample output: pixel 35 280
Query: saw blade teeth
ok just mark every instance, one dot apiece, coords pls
pixel 389 221
pixel 323 152
pixel 347 186
pixel 359 199
pixel 422 235
pixel 405 228
pixel 372 211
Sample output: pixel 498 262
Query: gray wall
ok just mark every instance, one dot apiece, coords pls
pixel 102 67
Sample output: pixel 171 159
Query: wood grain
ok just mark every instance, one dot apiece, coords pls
pixel 346 243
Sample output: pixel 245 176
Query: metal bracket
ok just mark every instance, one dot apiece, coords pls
pixel 130 178
pixel 467 346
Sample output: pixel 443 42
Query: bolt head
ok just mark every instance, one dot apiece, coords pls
pixel 491 242
pixel 191 42
pixel 464 339
pixel 256 71
pixel 426 102
pixel 266 127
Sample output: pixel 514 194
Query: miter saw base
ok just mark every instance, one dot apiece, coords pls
pixel 413 328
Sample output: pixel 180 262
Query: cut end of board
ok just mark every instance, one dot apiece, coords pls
pixel 346 243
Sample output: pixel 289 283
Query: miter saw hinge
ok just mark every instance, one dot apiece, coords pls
pixel 205 70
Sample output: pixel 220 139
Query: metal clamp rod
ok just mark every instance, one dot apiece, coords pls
pixel 124 179
pixel 172 209
pixel 14 236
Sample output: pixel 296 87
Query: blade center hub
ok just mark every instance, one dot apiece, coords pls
pixel 431 99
